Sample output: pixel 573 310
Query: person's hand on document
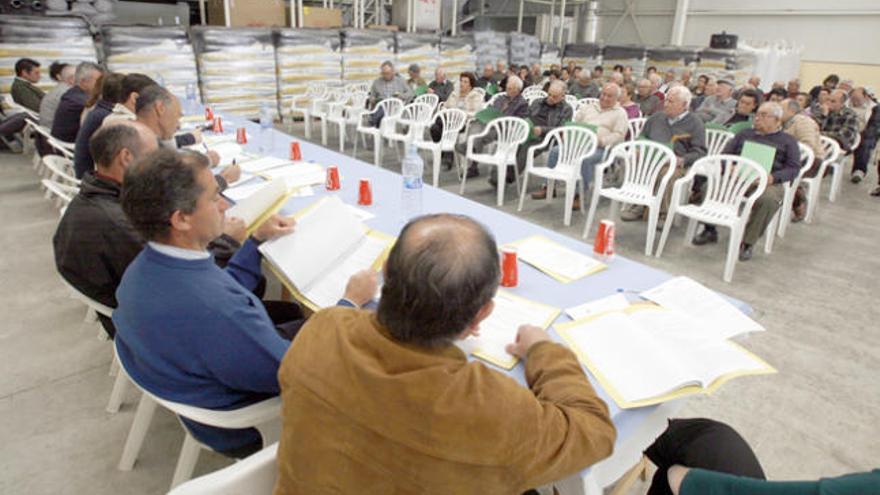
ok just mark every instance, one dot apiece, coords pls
pixel 231 173
pixel 236 228
pixel 274 226
pixel 361 287
pixel 215 160
pixel 526 337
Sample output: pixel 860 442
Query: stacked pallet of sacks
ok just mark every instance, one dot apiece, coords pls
pixel 491 47
pixel 525 49
pixel 550 56
pixel 421 49
pixel 44 39
pixel 163 53
pixel 458 55
pixel 363 51
pixel 237 69
pixel 305 57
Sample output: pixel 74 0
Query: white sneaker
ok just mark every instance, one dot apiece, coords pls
pixel 857 176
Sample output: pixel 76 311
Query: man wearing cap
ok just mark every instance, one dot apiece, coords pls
pixel 720 107
pixel 415 79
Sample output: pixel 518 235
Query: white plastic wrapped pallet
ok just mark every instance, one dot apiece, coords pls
pixel 363 51
pixel 421 49
pixel 307 56
pixel 490 47
pixel 457 53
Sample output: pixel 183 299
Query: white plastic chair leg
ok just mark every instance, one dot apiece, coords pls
pixel 736 234
pixel 323 131
pixel 342 137
pixel 307 123
pixel 667 226
pixel 522 194
pixel 836 181
pixel 653 215
pixel 186 463
pixel 142 419
pixel 502 181
pixel 117 395
pixel 436 171
pixel 769 234
pixel 377 149
pixel 464 172
pixel 690 232
pixel 569 202
pixel 813 188
pixel 785 216
pixel 91 316
pixel 594 203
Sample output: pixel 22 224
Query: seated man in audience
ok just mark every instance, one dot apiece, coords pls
pixel 805 130
pixel 746 105
pixel 65 75
pixel 685 80
pixel 682 130
pixel 584 87
pixel 187 330
pixel 598 73
pixel 828 84
pixel 656 81
pixel 111 89
pixel 415 80
pixel 389 84
pixel 667 79
pixel 132 86
pixel 510 104
pixel 648 103
pixel 536 74
pixel 94 242
pixel 862 105
pixel 500 71
pixel 24 88
pixel 385 402
pixel 487 78
pixel 546 114
pixel 720 107
pixel 841 124
pixel 870 136
pixel 794 88
pixel 819 102
pixel 776 95
pixel 611 128
pixel 440 86
pixel 786 165
pixel 68 115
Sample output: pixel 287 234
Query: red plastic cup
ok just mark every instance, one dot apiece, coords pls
pixel 365 193
pixel 509 273
pixel 295 152
pixel 332 183
pixel 604 244
pixel 218 125
pixel 241 135
pixel 209 115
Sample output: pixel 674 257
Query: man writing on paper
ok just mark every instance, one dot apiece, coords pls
pixel 187 330
pixel 786 165
pixel 378 403
pixel 94 242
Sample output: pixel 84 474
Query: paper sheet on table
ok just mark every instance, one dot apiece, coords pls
pixel 243 191
pixel 260 204
pixel 297 174
pixel 193 118
pixel 500 328
pixel 228 152
pixel 215 139
pixel 592 308
pixel 262 164
pixel 363 215
pixel 564 264
pixel 718 316
pixel 329 289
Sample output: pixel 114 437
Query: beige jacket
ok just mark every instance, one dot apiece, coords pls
pixel 363 413
pixel 471 103
pixel 612 124
pixel 806 131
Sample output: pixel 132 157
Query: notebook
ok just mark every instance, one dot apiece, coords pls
pixel 500 328
pixel 761 153
pixel 260 204
pixel 563 264
pixel 646 355
pixel 329 245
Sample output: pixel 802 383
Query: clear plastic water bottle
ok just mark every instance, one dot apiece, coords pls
pixel 265 125
pixel 411 191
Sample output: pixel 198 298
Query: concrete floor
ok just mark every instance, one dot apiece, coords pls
pixel 816 295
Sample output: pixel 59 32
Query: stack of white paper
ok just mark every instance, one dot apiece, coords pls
pixel 592 308
pixel 560 262
pixel 256 204
pixel 297 174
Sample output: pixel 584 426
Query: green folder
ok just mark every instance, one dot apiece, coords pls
pixel 421 90
pixel 491 89
pixel 532 136
pixel 739 126
pixel 578 124
pixel 488 115
pixel 760 153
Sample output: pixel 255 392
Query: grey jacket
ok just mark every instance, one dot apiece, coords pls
pixel 395 88
pixel 689 133
pixel 714 110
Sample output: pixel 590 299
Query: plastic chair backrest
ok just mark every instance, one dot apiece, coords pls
pixel 452 120
pixel 572 100
pixel 643 163
pixel 60 167
pixel 62 191
pixel 481 92
pixel 61 147
pixel 534 90
pixel 358 100
pixel 635 127
pixel 416 116
pixel 88 301
pixel 511 132
pixel 587 101
pixel 429 99
pixel 254 475
pixel 730 179
pixel 533 98
pixel 574 144
pixel 716 140
pixel 807 158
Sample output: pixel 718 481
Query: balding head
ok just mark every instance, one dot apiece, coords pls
pixel 837 100
pixel 440 74
pixel 556 92
pixel 790 108
pixel 440 278
pixel 118 144
pixel 68 74
pixel 609 96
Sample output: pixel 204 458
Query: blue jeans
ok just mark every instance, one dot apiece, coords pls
pixel 588 166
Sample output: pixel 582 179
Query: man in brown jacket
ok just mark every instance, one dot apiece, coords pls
pixel 803 128
pixel 385 403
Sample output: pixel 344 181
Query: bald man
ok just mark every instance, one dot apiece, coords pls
pixel 441 86
pixel 840 123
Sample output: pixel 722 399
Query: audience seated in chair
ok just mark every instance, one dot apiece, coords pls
pixel 441 86
pixel 110 87
pixel 65 75
pixel 24 88
pixel 648 103
pixel 68 115
pixel 720 107
pixel 748 101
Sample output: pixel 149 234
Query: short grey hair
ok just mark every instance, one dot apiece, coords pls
pixel 516 82
pixel 68 72
pixel 86 68
pixel 557 84
pixel 793 105
pixel 615 86
pixel 774 108
pixel 683 92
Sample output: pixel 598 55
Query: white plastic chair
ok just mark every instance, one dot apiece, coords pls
pixel 359 86
pixel 481 92
pixel 716 140
pixel 534 91
pixel 14 108
pixel 60 169
pixel 328 106
pixel 452 121
pixel 574 144
pixel 255 475
pixel 534 97
pixel 837 167
pixel 348 114
pixel 647 167
pixel 733 184
pixel 587 101
pixel 429 99
pixel 635 127
pixel 34 125
pixel 494 97
pixel 392 108
pixel 414 118
pixel 304 104
pixel 65 148
pixel 573 101
pixel 510 132
pixel 264 416
pixel 807 158
pixel 63 193
pixel 814 184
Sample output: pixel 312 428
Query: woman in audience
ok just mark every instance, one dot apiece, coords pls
pixel 93 97
pixel 626 101
pixel 464 98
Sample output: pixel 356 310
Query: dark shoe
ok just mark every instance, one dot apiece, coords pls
pixel 745 252
pixel 876 192
pixel 707 236
pixel 799 212
pixel 540 194
pixel 473 172
pixel 632 213
pixel 576 205
pixel 857 176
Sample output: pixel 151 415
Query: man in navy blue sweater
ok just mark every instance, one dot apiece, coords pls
pixel 187 330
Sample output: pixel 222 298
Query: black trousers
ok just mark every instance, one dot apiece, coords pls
pixel 701 443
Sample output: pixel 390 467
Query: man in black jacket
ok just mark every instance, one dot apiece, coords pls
pixel 95 242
